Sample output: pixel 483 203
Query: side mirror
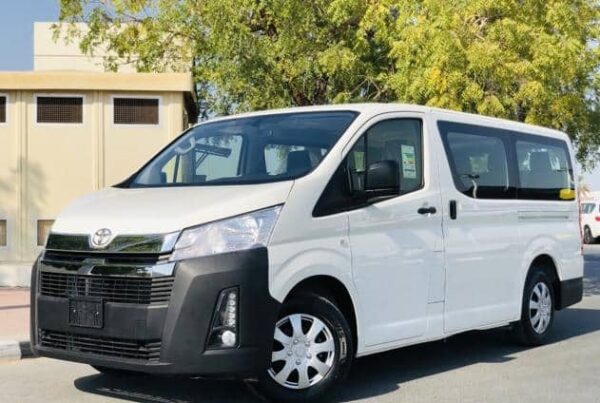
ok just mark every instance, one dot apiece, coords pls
pixel 382 180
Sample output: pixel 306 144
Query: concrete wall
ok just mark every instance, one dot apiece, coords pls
pixel 45 166
pixel 50 54
pixel 60 54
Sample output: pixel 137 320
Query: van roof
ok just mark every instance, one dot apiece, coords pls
pixel 373 109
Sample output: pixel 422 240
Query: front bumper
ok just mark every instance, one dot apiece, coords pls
pixel 170 338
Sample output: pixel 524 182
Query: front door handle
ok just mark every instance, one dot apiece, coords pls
pixel 427 210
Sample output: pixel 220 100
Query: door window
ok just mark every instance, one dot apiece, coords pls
pixel 478 158
pixel 399 140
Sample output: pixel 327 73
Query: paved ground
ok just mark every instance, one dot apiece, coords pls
pixel 474 367
pixel 14 314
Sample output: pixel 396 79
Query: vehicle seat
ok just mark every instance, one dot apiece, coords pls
pixel 541 174
pixel 463 169
pixel 298 162
pixel 496 174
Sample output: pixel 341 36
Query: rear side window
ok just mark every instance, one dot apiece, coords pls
pixel 588 208
pixel 544 168
pixel 492 163
pixel 479 159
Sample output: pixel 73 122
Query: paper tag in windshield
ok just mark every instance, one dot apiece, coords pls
pixel 409 163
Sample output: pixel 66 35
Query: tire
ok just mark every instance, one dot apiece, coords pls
pixel 587 236
pixel 114 372
pixel 537 312
pixel 325 359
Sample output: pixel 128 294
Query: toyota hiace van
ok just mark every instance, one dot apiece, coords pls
pixel 278 246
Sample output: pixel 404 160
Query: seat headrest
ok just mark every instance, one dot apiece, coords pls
pixel 298 161
pixel 539 161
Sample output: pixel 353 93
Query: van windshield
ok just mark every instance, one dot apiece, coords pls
pixel 246 150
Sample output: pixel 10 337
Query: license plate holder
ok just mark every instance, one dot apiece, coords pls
pixel 86 312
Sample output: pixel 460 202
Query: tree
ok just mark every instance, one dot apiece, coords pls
pixel 535 61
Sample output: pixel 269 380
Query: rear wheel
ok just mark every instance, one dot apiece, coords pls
pixel 587 236
pixel 312 351
pixel 537 314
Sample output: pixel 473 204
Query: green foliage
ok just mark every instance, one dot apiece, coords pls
pixel 535 61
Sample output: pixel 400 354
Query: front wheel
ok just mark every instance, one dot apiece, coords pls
pixel 537 314
pixel 312 351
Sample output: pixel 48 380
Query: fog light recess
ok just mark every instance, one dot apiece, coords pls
pixel 224 328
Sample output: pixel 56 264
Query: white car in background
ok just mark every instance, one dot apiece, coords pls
pixel 590 221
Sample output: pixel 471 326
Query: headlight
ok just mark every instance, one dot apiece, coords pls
pixel 243 232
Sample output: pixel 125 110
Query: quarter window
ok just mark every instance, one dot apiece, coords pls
pixel 135 111
pixel 53 109
pixel 2 108
pixel 544 169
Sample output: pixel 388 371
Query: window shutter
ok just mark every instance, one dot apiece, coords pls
pixel 135 111
pixel 59 110
pixel 2 109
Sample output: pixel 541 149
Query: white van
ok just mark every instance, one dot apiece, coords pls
pixel 590 219
pixel 278 246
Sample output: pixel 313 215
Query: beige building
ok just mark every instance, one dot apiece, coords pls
pixel 67 133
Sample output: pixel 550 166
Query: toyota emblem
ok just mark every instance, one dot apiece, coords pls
pixel 101 238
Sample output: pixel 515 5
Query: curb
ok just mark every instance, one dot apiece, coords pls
pixel 15 350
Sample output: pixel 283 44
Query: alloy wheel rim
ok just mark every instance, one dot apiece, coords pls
pixel 303 351
pixel 540 307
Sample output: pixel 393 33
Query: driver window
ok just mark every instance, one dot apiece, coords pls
pixel 398 140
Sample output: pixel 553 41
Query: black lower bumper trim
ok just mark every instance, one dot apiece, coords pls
pixel 170 339
pixel 571 292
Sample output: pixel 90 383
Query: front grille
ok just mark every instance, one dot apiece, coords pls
pixel 77 258
pixel 132 290
pixel 121 348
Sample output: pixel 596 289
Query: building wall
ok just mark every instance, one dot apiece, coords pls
pixel 51 54
pixel 45 166
pixel 9 184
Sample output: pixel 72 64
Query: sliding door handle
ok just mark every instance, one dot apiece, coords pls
pixel 427 210
pixel 453 209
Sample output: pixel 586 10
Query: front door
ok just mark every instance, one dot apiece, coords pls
pixel 397 246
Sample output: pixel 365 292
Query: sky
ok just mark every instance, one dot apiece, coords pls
pixel 16 30
pixel 16 43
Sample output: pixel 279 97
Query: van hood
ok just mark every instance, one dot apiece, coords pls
pixel 142 211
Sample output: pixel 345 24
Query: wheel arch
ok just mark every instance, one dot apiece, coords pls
pixel 335 290
pixel 547 263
